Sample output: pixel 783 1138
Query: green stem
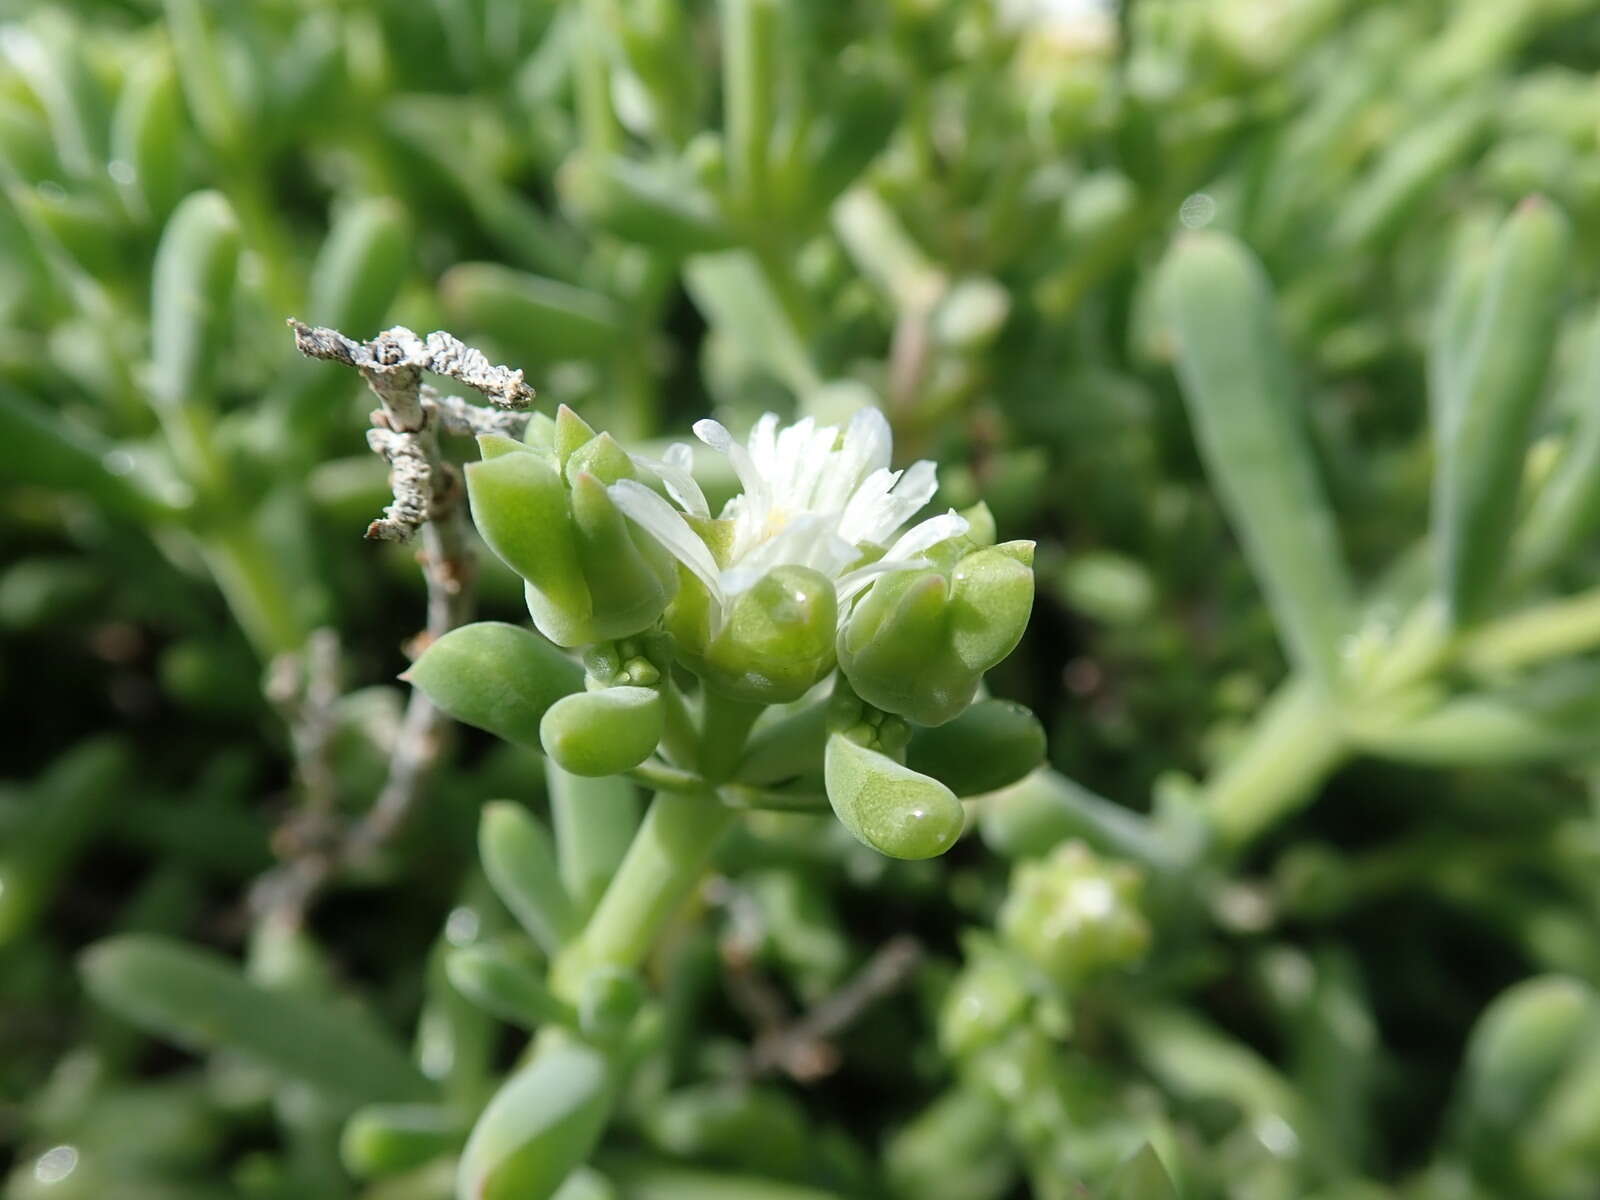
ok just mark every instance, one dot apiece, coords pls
pixel 660 869
pixel 597 122
pixel 786 290
pixel 749 74
pixel 724 728
pixel 759 799
pixel 661 777
pixel 680 740
pixel 1294 746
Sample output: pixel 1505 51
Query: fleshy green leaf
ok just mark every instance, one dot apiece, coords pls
pixel 509 987
pixel 604 732
pixel 495 676
pixel 529 313
pixel 203 1001
pixel 991 745
pixel 888 806
pixel 1482 421
pixel 594 820
pixel 385 1139
pixel 521 865
pixel 541 1124
pixel 1142 1177
pixel 191 295
pixel 1252 436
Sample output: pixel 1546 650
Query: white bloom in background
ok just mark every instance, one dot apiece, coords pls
pixel 812 498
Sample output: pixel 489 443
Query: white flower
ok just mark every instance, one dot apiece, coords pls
pixel 812 498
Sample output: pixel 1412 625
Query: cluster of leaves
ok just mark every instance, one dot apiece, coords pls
pixel 1316 605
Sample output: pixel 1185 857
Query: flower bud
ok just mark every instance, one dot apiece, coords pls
pixel 987 999
pixel 1074 915
pixel 919 641
pixel 603 732
pixel 541 505
pixel 497 677
pixel 889 806
pixel 775 644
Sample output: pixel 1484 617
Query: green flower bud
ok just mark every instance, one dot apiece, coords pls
pixel 541 505
pixel 888 806
pixel 988 998
pixel 777 641
pixel 604 732
pixel 497 677
pixel 1074 914
pixel 919 641
pixel 991 745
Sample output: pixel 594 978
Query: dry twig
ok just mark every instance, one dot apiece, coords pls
pixel 800 1047
pixel 804 1050
pixel 428 495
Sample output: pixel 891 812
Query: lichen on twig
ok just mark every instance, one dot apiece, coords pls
pixel 393 362
pixel 428 498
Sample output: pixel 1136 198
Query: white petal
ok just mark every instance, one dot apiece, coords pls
pixel 765 450
pixel 813 458
pixel 672 469
pixel 785 456
pixel 927 534
pixel 869 515
pixel 852 582
pixel 869 436
pixel 713 434
pixel 915 488
pixel 667 526
pixel 807 541
pixel 918 484
pixel 863 450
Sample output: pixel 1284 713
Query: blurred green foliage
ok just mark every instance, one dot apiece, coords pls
pixel 1346 949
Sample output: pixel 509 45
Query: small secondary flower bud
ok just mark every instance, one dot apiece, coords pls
pixel 1074 915
pixel 920 640
pixel 542 506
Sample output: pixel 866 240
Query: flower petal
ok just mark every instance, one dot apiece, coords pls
pixel 664 523
pixel 853 582
pixel 758 495
pixel 927 534
pixel 763 442
pixel 863 451
pixel 869 514
pixel 673 469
